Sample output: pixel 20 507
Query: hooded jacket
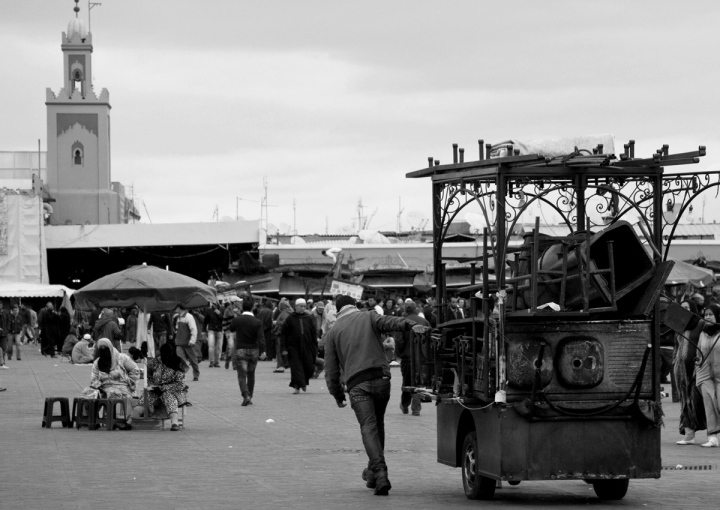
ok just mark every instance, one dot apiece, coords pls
pixel 106 327
pixel 354 346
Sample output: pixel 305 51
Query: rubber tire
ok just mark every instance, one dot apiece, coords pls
pixel 475 486
pixel 611 489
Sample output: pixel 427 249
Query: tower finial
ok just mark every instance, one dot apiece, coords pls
pixel 76 8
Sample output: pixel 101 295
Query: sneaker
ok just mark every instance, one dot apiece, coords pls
pixel 416 413
pixel 403 408
pixel 246 401
pixel 369 477
pixel 296 392
pixel 394 364
pixel 175 427
pixel 195 378
pixel 4 367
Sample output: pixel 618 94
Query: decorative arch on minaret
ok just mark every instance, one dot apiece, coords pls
pixel 78 154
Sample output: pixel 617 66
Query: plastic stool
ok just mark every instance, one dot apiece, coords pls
pixel 83 413
pixel 49 418
pixel 110 418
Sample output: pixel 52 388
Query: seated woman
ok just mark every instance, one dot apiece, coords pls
pixel 70 342
pixel 83 352
pixel 166 387
pixel 114 374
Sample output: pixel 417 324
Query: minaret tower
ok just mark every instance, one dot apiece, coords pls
pixel 79 138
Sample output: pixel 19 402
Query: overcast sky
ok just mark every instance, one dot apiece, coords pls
pixel 335 101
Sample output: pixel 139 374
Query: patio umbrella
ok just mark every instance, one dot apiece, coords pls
pixel 150 288
pixel 683 273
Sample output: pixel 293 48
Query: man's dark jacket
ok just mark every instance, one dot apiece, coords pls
pixel 248 332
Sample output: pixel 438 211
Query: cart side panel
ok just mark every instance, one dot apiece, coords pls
pixel 592 449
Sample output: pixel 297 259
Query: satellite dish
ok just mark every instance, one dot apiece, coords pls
pixel 355 240
pixel 272 228
pixel 297 240
pixel 476 221
pixel 226 219
pixel 415 219
pixel 284 228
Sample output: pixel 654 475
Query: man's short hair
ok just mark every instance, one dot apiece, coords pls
pixel 410 308
pixel 180 307
pixel 343 301
pixel 247 305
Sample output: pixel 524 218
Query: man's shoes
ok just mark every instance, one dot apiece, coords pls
pixel 279 371
pixel 369 478
pixel 125 426
pixel 3 389
pixel 382 484
pixel 296 392
pixel 175 427
pixel 403 408
pixel 227 365
pixel 416 413
pixel 683 442
pixel 246 401
pixel 4 367
pixel 195 378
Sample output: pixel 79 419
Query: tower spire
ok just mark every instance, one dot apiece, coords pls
pixel 76 8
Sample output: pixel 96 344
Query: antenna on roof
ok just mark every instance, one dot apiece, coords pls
pixel 90 8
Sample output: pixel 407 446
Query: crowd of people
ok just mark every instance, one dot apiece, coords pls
pixel 355 343
pixel 695 358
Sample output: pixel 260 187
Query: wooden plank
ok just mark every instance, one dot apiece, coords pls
pixel 645 296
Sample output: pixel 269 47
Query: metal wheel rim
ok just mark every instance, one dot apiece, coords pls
pixel 469 466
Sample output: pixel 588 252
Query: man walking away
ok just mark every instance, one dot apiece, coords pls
pixel 185 339
pixel 354 346
pixel 299 340
pixel 249 347
pixel 402 347
pixel 213 325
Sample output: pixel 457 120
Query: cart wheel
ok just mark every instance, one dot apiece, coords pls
pixel 611 489
pixel 475 485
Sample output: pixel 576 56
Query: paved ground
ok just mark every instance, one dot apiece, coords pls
pixel 229 457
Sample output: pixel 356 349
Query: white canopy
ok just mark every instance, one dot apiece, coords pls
pixel 29 290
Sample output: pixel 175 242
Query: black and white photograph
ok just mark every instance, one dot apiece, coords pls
pixel 401 254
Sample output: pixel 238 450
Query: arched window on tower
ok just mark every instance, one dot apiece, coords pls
pixel 78 154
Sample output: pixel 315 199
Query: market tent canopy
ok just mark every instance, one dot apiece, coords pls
pixel 32 290
pixel 683 273
pixel 150 288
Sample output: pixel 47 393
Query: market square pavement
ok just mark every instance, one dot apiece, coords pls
pixel 310 456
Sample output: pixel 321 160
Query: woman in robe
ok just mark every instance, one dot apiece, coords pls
pixel 166 387
pixel 692 413
pixel 707 375
pixel 114 374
